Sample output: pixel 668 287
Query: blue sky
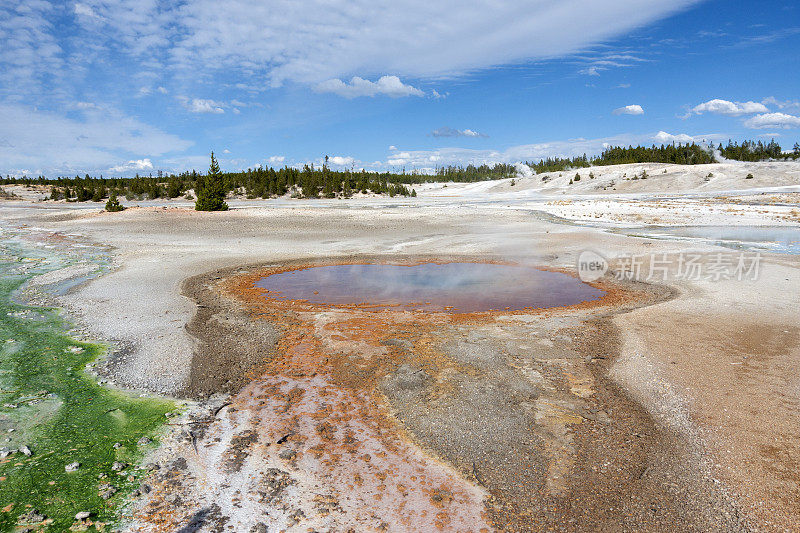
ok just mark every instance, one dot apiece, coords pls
pixel 124 86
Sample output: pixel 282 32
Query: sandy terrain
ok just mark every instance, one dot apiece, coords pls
pixel 674 411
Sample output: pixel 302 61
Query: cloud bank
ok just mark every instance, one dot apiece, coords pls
pixel 429 159
pixel 97 141
pixel 314 41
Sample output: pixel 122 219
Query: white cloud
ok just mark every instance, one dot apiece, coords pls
pixel 341 161
pixel 276 159
pixel 313 41
pixel 85 10
pixel 781 104
pixel 773 120
pixel 200 105
pixel 634 109
pixel 30 50
pixel 226 151
pixel 133 165
pixel 450 132
pixel 731 109
pixel 386 85
pixel 147 90
pixel 667 138
pixel 52 144
pixel 595 63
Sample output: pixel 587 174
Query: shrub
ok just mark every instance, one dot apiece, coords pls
pixel 749 177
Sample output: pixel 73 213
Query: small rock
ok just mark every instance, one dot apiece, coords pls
pixel 31 517
pixel 287 454
pixel 83 515
pixel 72 467
pixel 25 451
pixel 144 441
pixel 5 452
pixel 106 491
pixel 150 467
pixel 117 445
pixel 144 488
pixel 117 466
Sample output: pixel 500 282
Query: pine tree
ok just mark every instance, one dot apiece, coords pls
pixel 113 205
pixel 211 190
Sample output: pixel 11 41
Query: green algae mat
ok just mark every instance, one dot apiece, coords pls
pixel 61 432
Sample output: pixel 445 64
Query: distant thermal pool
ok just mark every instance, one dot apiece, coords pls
pixel 448 287
pixel 777 239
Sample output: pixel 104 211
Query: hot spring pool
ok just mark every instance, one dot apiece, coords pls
pixel 448 287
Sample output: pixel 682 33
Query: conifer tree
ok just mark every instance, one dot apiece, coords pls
pixel 211 190
pixel 113 205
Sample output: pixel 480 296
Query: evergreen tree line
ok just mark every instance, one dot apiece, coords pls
pixel 261 182
pixel 323 182
pixel 756 151
pixel 679 154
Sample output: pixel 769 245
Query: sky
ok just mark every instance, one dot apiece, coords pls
pixel 118 87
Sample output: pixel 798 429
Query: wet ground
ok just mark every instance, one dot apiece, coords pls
pixel 53 411
pixel 773 239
